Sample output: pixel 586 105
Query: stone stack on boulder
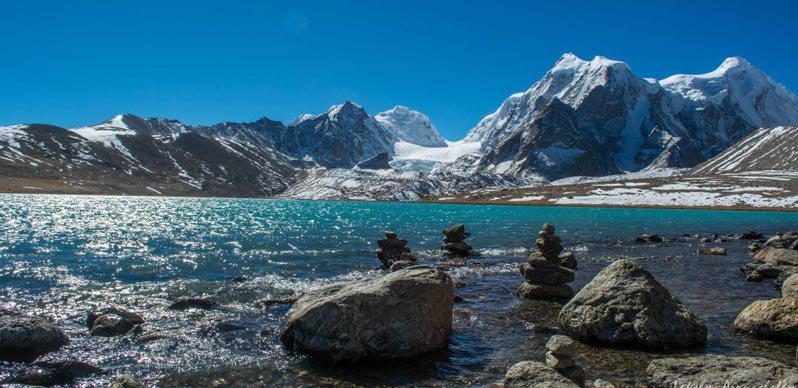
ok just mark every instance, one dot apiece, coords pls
pixel 394 250
pixel 560 357
pixel 454 241
pixel 547 271
pixel 625 306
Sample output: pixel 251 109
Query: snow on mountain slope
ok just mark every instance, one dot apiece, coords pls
pixel 343 136
pixel 597 118
pixel 447 154
pixel 411 126
pixel 763 150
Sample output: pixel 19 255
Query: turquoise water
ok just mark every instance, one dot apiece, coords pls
pixel 63 255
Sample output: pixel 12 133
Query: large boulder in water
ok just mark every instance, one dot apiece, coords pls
pixel 402 314
pixel 721 371
pixel 774 318
pixel 532 374
pixel 625 306
pixel 23 337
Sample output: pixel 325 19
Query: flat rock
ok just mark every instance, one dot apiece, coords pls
pixel 716 251
pixel 625 306
pixel 713 369
pixel 774 318
pixel 781 257
pixel 24 337
pixel 402 314
pixel 402 264
pixel 559 362
pixel 533 374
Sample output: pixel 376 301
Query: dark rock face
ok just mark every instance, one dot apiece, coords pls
pixel 732 371
pixel 531 374
pixel 625 306
pixel 24 338
pixel 775 318
pixel 402 314
pixel 454 241
pixel 379 162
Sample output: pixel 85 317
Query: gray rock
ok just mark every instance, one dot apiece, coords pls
pixel 24 338
pixel 719 370
pixel 562 345
pixel 568 260
pixel 125 381
pixel 717 251
pixel 109 325
pixel 789 289
pixel 575 373
pixel 625 306
pixel 132 317
pixel 402 314
pixel 559 362
pixel 547 275
pixel 402 264
pixel 774 318
pixel 544 291
pixel 532 374
pixel 781 257
pixel 599 383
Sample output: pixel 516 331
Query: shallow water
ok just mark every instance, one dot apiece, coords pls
pixel 61 256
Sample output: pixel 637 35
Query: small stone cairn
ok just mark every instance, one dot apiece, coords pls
pixel 560 357
pixel 548 269
pixel 454 241
pixel 394 251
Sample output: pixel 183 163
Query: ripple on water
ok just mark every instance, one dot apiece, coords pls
pixel 62 256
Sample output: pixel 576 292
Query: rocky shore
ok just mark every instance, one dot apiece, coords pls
pixel 407 312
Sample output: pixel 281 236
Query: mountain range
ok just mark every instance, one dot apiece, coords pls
pixel 583 118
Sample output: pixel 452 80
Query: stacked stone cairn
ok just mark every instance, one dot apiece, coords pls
pixel 548 269
pixel 394 253
pixel 454 242
pixel 560 357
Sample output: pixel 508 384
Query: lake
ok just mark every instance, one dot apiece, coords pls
pixel 62 256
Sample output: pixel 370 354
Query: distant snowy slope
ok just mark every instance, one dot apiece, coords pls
pixel 763 150
pixel 411 126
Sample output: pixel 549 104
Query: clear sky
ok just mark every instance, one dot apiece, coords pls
pixel 72 63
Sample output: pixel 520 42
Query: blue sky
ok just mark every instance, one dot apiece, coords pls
pixel 80 62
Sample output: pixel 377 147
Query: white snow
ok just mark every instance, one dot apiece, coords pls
pixel 108 134
pixel 411 126
pixel 529 198
pixel 452 151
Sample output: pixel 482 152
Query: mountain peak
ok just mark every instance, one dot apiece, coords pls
pixel 346 108
pixel 411 126
pixel 570 61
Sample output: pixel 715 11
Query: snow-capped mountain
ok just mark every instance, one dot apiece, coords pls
pixel 342 137
pixel 768 149
pixel 597 118
pixel 411 126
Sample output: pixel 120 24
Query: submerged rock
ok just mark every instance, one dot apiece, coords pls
pixel 402 314
pixel 718 251
pixel 24 337
pixel 713 369
pixel 532 374
pixel 625 306
pixel 49 373
pixel 193 303
pixel 774 318
pixel 109 325
pixel 125 381
pixel 751 235
pixel 134 318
